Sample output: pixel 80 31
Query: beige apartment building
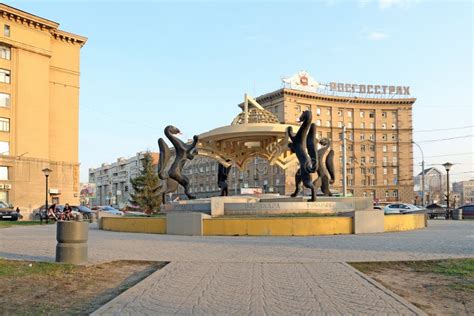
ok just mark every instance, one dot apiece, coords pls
pixel 39 109
pixel 379 146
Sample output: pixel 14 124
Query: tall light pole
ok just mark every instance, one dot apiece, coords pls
pixel 447 166
pixel 422 175
pixel 344 166
pixel 46 172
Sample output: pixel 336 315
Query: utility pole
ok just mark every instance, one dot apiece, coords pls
pixel 344 166
pixel 422 175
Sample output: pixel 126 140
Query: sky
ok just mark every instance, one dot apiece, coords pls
pixel 150 64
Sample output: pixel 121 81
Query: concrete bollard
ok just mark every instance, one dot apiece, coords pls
pixel 72 242
pixel 457 214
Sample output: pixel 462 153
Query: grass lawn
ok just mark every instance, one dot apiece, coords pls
pixel 43 288
pixel 439 287
pixel 5 224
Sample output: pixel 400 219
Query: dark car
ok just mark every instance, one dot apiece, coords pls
pixel 467 211
pixel 86 212
pixel 7 212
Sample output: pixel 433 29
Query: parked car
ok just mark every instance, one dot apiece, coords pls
pixel 7 212
pixel 87 213
pixel 401 208
pixel 108 209
pixel 467 211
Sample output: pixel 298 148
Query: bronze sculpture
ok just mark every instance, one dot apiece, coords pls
pixel 222 173
pixel 325 169
pixel 302 144
pixel 183 152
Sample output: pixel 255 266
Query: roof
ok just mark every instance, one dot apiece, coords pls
pixel 426 171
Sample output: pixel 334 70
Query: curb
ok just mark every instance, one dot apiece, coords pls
pixel 379 286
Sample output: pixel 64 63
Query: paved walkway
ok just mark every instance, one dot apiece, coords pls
pixel 254 275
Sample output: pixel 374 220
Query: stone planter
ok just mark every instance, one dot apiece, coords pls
pixel 72 242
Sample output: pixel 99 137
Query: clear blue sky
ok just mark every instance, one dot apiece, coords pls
pixel 149 64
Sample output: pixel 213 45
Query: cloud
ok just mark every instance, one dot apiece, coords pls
pixel 377 36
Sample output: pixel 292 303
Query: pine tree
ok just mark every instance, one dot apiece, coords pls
pixel 146 187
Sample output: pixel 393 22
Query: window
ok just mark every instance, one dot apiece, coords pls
pixel 5 52
pixel 384 126
pixel 339 124
pixel 372 170
pixel 318 122
pixel 394 137
pixel 339 113
pixel 373 182
pixel 328 112
pixel 362 136
pixel 384 137
pixel 4 124
pixel 328 124
pixel 394 160
pixel 384 114
pixel 364 194
pixel 384 170
pixel 4 76
pixel 386 193
pixel 395 193
pixel 362 160
pixel 350 170
pixel 394 171
pixel 349 125
pixel 372 148
pixel 362 170
pixel 372 125
pixel 384 160
pixel 394 148
pixel 394 114
pixel 362 114
pixel 351 136
pixel 318 111
pixel 394 126
pixel 372 114
pixel 384 148
pixel 349 113
pixel 4 148
pixel 4 100
pixel 3 173
pixel 371 136
pixel 350 182
pixel 349 147
pixel 372 160
pixel 362 148
pixel 362 125
pixel 6 30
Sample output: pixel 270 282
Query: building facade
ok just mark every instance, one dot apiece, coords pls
pixel 39 97
pixel 466 191
pixel 435 186
pixel 378 137
pixel 112 181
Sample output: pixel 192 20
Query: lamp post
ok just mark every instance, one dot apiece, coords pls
pixel 46 172
pixel 422 175
pixel 447 166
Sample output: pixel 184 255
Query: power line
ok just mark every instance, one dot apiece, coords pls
pixel 444 139
pixel 443 129
pixel 447 155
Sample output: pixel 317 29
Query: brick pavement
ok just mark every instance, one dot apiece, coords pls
pixel 254 275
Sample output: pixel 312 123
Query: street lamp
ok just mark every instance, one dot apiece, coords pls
pixel 447 166
pixel 422 175
pixel 46 172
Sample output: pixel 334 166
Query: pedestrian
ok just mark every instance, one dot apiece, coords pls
pixel 51 212
pixel 67 211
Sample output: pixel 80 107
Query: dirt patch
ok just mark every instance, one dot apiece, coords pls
pixel 34 288
pixel 441 287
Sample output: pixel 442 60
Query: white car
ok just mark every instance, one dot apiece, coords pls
pixel 400 208
pixel 111 210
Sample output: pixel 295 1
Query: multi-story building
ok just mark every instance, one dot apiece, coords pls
pixel 112 181
pixel 39 109
pixel 435 186
pixel 466 191
pixel 378 138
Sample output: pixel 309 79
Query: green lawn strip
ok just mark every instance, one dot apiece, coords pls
pixel 11 268
pixel 5 224
pixel 451 267
pixel 280 215
pixel 144 216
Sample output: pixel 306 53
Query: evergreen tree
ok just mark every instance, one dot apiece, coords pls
pixel 146 187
